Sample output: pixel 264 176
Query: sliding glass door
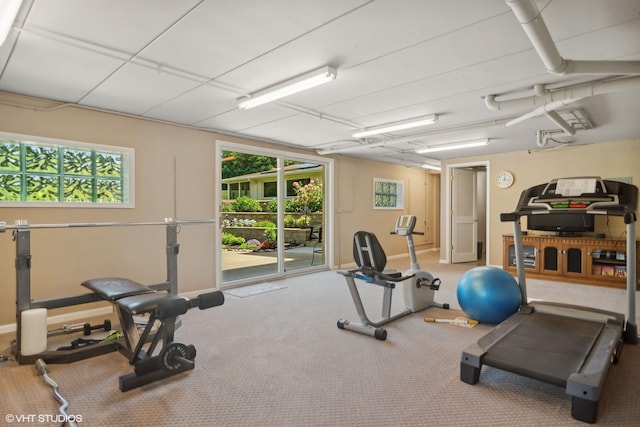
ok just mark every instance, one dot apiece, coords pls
pixel 272 213
pixel 249 223
pixel 303 214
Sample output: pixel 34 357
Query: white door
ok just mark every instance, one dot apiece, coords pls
pixel 464 219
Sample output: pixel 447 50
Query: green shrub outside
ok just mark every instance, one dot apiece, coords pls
pixel 246 204
pixel 289 206
pixel 248 246
pixel 309 198
pixel 303 221
pixel 229 239
pixel 270 234
pixel 289 221
pixel 267 224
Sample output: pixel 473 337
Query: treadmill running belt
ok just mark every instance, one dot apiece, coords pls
pixel 546 347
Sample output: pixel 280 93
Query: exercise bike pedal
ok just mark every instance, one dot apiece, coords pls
pixel 433 285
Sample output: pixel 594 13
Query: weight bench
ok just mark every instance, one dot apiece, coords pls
pixel 131 299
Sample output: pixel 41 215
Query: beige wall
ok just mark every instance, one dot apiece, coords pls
pixel 354 206
pixel 607 160
pixel 174 177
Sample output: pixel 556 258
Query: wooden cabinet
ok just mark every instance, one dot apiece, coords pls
pixel 564 257
pixel 607 259
pixel 531 249
pixel 585 260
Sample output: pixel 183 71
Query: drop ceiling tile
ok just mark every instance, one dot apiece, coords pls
pixel 136 89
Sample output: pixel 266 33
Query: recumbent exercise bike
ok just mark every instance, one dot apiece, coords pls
pixel 419 286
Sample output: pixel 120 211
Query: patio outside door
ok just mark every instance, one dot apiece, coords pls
pixel 271 214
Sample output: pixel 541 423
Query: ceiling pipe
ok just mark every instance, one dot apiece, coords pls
pixel 528 14
pixel 568 93
pixel 383 143
pixel 631 68
pixel 549 111
pixel 529 17
pixel 539 90
pixel 541 139
pixel 544 136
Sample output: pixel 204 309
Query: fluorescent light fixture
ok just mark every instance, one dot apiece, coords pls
pixel 8 12
pixel 431 166
pixel 391 127
pixel 453 146
pixel 289 87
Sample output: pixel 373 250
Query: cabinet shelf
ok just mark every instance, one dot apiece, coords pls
pixel 608 261
pixel 585 260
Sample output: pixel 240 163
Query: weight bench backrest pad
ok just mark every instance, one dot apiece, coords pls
pixel 113 288
pixel 168 305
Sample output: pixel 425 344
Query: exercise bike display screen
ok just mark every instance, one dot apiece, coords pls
pixel 405 224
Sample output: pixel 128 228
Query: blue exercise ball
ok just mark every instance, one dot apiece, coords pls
pixel 488 294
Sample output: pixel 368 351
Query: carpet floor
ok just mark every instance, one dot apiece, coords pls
pixel 278 359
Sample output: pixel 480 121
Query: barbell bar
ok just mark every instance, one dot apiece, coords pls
pixel 22 224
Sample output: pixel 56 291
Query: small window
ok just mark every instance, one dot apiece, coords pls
pixel 44 172
pixel 270 189
pixel 291 191
pixel 388 194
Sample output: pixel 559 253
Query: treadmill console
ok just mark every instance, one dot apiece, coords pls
pixel 578 196
pixel 573 194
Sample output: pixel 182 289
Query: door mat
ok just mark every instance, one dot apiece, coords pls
pixel 260 288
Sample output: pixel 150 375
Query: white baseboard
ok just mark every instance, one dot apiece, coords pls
pixel 406 254
pixel 66 317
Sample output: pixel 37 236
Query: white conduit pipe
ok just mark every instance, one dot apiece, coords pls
pixel 603 67
pixel 541 139
pixel 543 110
pixel 383 143
pixel 529 17
pixel 569 93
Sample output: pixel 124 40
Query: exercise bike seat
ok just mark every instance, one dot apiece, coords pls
pixel 368 253
pixel 371 259
pixel 371 275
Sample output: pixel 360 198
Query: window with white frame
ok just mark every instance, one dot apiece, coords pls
pixel 388 194
pixel 39 171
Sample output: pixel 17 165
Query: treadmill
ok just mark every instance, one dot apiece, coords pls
pixel 567 345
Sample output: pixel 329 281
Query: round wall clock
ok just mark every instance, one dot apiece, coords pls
pixel 504 179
